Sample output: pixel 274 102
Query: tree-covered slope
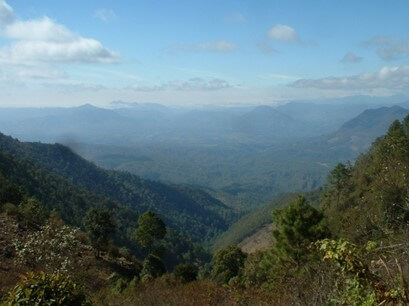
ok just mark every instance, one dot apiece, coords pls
pixel 26 179
pixel 257 220
pixel 252 222
pixel 194 213
pixel 369 199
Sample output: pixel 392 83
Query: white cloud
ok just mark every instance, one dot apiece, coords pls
pixel 193 84
pixel 105 15
pixel 80 50
pixel 351 58
pixel 393 79
pixel 218 46
pixel 199 84
pixel 6 13
pixel 389 48
pixel 43 29
pixel 44 40
pixel 283 33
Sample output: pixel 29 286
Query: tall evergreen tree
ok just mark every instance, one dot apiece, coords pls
pixel 100 225
pixel 150 229
pixel 296 227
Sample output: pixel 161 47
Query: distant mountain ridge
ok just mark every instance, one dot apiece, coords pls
pixel 359 132
pixel 134 124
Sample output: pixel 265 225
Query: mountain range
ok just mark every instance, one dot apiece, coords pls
pixel 243 156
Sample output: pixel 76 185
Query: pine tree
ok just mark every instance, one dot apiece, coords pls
pixel 100 225
pixel 296 227
pixel 150 229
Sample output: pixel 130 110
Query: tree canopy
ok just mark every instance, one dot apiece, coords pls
pixel 296 227
pixel 100 225
pixel 150 229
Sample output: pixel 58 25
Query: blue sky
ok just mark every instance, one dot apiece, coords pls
pixel 65 53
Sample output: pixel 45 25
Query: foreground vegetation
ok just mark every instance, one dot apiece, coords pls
pixel 350 248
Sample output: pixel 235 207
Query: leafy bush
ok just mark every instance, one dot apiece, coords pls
pixel 33 211
pixel 227 263
pixel 153 267
pixel 186 272
pixel 10 209
pixel 46 289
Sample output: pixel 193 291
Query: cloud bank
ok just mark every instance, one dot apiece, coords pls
pixel 193 84
pixel 389 48
pixel 393 79
pixel 44 40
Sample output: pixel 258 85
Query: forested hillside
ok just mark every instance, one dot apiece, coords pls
pixel 248 175
pixel 349 239
pixel 194 213
pixel 355 135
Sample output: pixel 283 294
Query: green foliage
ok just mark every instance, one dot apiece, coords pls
pixel 344 253
pixel 46 289
pixel 257 269
pixel 150 229
pixel 100 225
pixel 296 227
pixel 251 222
pixel 9 192
pixel 33 211
pixel 67 184
pixel 227 264
pixel 153 267
pixel 358 280
pixel 180 249
pixel 355 294
pixel 186 272
pixel 120 285
pixel 10 209
pixel 376 184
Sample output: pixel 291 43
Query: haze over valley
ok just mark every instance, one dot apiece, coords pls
pixel 204 152
pixel 242 155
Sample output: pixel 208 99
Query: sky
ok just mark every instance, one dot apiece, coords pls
pixel 213 52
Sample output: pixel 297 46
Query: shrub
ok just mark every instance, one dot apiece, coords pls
pixel 227 263
pixel 153 267
pixel 10 209
pixel 33 211
pixel 46 289
pixel 113 251
pixel 51 247
pixel 186 272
